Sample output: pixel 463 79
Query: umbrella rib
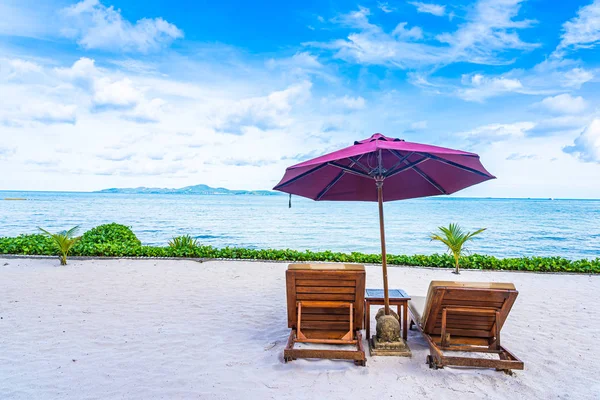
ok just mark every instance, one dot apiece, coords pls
pixel 457 165
pixel 357 162
pixel 302 175
pixel 407 167
pixel 419 171
pixel 430 180
pixel 330 185
pixel 338 177
pixel 349 169
pixel 401 157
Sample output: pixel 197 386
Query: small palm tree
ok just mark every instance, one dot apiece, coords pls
pixel 454 237
pixel 64 241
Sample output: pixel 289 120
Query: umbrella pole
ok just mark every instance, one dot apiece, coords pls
pixel 383 252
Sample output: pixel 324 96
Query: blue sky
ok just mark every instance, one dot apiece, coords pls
pixel 105 93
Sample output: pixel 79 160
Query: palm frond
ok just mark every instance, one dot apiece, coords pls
pixel 63 241
pixel 454 238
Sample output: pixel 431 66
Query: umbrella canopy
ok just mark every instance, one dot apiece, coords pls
pixel 358 173
pixel 409 170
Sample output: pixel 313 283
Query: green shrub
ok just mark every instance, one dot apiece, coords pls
pixel 112 240
pixel 36 244
pixel 110 233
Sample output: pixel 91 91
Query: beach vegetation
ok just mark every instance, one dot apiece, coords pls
pixel 454 237
pixel 183 246
pixel 183 241
pixel 111 233
pixel 35 244
pixel 63 241
pixel 109 240
pixel 119 241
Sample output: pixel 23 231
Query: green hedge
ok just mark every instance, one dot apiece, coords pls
pixel 115 240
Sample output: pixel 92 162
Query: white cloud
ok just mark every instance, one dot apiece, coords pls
pixel 158 131
pixel 419 125
pixel 96 26
pixel 371 45
pixel 492 133
pixel 6 152
pixel 265 112
pixel 116 93
pixel 576 77
pixel 564 104
pixel 482 87
pixel 347 102
pixel 22 67
pixel 385 7
pixel 586 146
pixel 581 32
pixel 303 60
pixel 147 111
pixel 34 112
pixel 302 65
pixel 413 33
pixel 429 8
pixel 549 77
pixel 537 166
pixel 490 31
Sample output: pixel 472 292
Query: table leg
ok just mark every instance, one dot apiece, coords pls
pixel 368 318
pixel 404 320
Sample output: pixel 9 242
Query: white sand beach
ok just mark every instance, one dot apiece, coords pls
pixel 153 329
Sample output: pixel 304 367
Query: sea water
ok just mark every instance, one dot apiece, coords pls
pixel 515 227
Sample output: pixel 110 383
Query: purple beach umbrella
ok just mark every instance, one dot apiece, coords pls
pixel 358 173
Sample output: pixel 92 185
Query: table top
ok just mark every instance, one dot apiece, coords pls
pixel 393 294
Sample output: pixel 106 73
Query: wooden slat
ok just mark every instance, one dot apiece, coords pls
pixel 470 311
pixel 475 318
pixel 466 332
pixel 324 325
pixel 325 311
pixel 290 287
pixel 325 289
pixel 331 354
pixel 472 295
pixel 325 282
pixel 468 303
pixel 325 333
pixel 327 274
pixel 472 341
pixel 482 362
pixel 324 297
pixel 325 317
pixel 359 302
pixel 324 304
pixel 467 326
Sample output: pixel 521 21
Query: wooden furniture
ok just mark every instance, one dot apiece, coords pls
pixel 325 305
pixel 466 317
pixel 398 298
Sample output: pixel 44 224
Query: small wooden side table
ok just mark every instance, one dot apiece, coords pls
pixel 398 298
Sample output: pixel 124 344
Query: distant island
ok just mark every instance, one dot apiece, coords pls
pixel 196 189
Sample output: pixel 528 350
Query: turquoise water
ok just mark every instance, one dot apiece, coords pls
pixel 516 227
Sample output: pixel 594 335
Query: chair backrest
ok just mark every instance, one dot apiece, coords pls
pixel 339 283
pixel 472 295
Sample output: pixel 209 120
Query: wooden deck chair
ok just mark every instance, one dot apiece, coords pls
pixel 325 305
pixel 466 317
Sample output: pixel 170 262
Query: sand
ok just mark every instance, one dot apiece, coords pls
pixel 153 329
